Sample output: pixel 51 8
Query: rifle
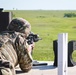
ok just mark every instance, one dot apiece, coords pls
pixel 33 38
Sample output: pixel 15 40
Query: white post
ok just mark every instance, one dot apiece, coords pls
pixel 62 53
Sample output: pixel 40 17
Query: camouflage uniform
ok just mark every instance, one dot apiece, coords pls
pixel 13 48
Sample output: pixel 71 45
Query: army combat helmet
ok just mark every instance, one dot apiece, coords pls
pixel 19 25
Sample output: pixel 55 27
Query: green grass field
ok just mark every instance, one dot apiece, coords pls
pixel 48 24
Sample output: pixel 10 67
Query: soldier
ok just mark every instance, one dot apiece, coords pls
pixel 14 48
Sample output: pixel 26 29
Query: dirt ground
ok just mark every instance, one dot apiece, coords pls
pixel 48 69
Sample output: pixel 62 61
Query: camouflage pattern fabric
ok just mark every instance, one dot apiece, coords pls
pixel 19 25
pixel 13 51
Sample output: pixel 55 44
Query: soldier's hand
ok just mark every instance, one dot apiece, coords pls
pixel 31 47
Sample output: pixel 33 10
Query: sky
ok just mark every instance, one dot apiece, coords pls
pixel 38 4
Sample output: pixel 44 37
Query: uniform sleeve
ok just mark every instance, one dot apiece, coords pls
pixel 24 59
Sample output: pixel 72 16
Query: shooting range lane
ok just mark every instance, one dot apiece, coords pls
pixel 48 69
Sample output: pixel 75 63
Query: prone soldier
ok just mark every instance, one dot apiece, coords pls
pixel 14 48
